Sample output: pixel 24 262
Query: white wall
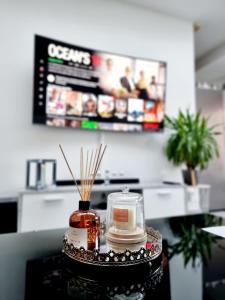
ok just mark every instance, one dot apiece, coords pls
pixel 106 25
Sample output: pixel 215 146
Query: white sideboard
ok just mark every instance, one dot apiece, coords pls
pixel 39 211
pixel 165 202
pixel 50 209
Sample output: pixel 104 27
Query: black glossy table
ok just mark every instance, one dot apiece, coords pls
pixel 192 267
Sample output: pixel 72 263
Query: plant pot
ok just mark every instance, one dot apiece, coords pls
pixel 190 176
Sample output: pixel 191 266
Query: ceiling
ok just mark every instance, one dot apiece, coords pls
pixel 209 40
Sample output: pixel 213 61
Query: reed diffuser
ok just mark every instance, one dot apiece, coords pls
pixel 84 223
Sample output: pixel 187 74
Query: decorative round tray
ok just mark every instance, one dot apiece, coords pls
pixel 110 255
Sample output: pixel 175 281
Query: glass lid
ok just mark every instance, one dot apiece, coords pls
pixel 125 195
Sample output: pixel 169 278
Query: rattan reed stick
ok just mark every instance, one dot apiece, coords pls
pixel 89 166
pixel 76 185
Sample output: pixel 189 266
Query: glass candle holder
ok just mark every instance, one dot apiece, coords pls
pixel 125 221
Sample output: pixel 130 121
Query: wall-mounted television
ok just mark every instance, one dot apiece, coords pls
pixel 84 88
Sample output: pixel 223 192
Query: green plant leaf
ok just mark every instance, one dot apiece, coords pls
pixel 192 141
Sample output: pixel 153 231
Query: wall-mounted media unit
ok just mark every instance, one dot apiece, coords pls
pixel 89 89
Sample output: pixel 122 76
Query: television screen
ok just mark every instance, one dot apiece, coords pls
pixel 89 89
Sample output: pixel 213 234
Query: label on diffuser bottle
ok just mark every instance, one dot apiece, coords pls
pixel 78 237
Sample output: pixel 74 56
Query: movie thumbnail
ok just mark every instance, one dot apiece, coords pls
pixel 106 126
pixel 106 105
pixel 74 103
pixel 56 122
pixel 86 124
pixel 121 108
pixel 127 127
pixel 120 126
pixel 134 127
pixel 160 111
pixel 73 123
pixel 152 126
pixel 135 110
pixel 89 105
pixel 56 99
pixel 150 111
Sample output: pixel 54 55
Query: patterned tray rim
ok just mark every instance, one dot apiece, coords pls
pixel 96 258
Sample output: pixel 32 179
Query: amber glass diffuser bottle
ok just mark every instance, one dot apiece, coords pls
pixel 85 227
pixel 84 223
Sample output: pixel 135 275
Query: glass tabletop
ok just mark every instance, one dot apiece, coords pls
pixel 191 267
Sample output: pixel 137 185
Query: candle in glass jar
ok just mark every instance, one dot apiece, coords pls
pixel 124 217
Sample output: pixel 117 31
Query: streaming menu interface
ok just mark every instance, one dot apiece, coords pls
pixel 83 88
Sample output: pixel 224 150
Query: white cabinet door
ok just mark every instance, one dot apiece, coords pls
pixel 41 211
pixel 165 202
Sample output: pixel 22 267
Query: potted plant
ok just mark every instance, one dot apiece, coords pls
pixel 192 142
